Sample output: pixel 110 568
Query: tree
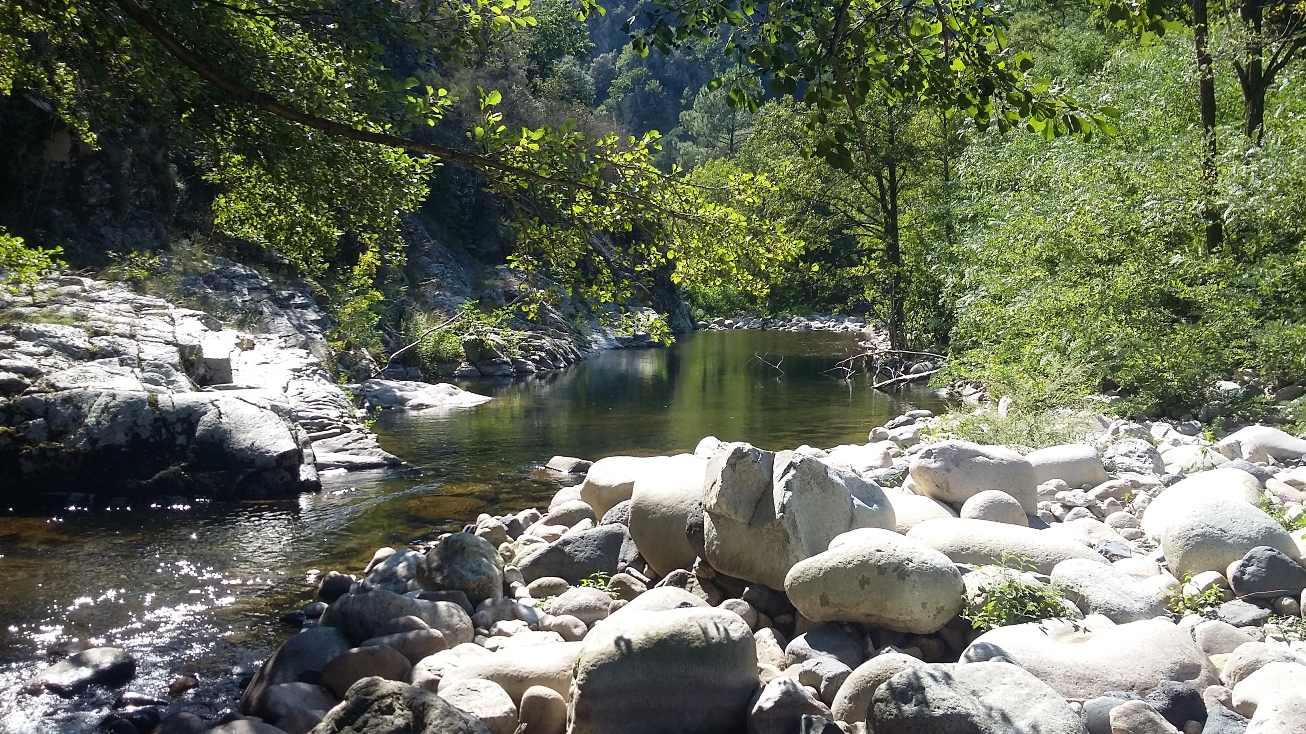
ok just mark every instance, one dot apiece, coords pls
pixel 715 128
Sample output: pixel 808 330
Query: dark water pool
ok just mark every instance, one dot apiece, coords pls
pixel 198 590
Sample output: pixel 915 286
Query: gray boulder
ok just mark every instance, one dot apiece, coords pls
pixel 378 706
pixel 302 656
pixel 1267 573
pixel 394 573
pixel 604 549
pixel 1213 533
pixel 1098 588
pixel 1076 464
pixel 764 512
pixel 1261 444
pixel 1133 455
pixel 879 578
pixel 953 471
pixel 104 666
pixel 364 615
pixel 981 542
pixel 660 505
pixel 979 698
pixel 684 670
pixel 779 707
pixel 463 562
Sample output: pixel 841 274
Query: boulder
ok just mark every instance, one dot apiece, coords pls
pixel 413 644
pixel 485 700
pixel 1076 464
pixel 1268 682
pixel 683 670
pixel 410 395
pixel 569 513
pixel 302 656
pixel 568 465
pixel 879 578
pixel 1211 534
pixel 995 506
pixel 764 512
pixel 863 460
pixel 395 571
pixel 1284 713
pixel 953 471
pixel 826 640
pixel 378 706
pixel 1134 455
pixel 1178 703
pixel 1102 589
pixel 364 615
pixel 662 501
pixel 542 711
pixel 518 670
pixel 1261 444
pixel 910 510
pixel 1266 573
pixel 103 666
pixel 1081 661
pixel 1251 657
pixel 1136 717
pixel 979 698
pixel 585 603
pixel 1191 459
pixel 824 675
pixel 982 542
pixel 463 562
pixel 852 702
pixel 612 480
pixel 605 549
pixel 1222 483
pixel 290 702
pixel 779 707
pixel 380 661
pixel 661 599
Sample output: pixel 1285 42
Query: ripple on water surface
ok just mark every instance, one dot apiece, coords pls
pixel 199 590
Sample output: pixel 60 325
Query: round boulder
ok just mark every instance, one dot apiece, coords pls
pixel 662 501
pixel 463 562
pixel 995 506
pixel 981 542
pixel 953 471
pixel 879 578
pixel 1212 534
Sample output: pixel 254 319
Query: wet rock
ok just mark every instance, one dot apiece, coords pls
pixel 289 703
pixel 103 666
pixel 394 571
pixel 463 562
pixel 377 706
pixel 980 698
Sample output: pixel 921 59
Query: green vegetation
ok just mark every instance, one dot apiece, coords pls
pixel 1275 509
pixel 1013 599
pixel 1183 604
pixel 22 266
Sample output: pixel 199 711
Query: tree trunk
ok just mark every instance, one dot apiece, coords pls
pixel 1253 82
pixel 893 254
pixel 1210 149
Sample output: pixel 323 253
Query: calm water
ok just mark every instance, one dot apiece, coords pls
pixel 199 590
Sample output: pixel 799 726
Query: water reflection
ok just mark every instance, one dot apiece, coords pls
pixel 200 589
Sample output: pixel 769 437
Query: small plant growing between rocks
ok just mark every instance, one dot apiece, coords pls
pixel 1292 627
pixel 1014 599
pixel 1184 604
pixel 597 580
pixel 1276 511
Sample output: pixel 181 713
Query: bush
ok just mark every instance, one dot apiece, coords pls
pixel 1015 599
pixel 21 265
pixel 1199 604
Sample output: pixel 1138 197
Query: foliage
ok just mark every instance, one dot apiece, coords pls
pixel 356 305
pixel 135 266
pixel 1013 599
pixel 1276 510
pixel 1183 604
pixel 1292 627
pixel 438 347
pixel 22 266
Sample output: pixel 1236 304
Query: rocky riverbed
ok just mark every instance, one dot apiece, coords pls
pixel 842 590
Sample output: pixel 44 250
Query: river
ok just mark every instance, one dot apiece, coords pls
pixel 199 590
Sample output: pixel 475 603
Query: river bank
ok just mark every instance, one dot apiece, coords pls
pixel 1172 600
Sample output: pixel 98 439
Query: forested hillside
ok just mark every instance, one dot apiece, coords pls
pixel 1068 197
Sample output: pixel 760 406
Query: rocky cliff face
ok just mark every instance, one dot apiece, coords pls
pixel 113 396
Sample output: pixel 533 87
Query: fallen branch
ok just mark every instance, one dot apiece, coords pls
pixel 420 339
pixel 775 366
pixel 904 379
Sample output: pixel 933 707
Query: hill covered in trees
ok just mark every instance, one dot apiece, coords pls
pixel 1072 197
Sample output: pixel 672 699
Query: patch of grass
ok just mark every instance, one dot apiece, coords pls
pixel 1293 628
pixel 1014 599
pixel 1199 604
pixel 1035 430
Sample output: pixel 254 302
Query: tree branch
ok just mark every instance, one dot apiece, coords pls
pixel 269 104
